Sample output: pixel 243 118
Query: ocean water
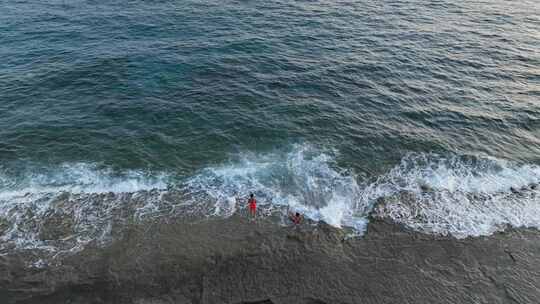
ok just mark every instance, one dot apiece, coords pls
pixel 428 111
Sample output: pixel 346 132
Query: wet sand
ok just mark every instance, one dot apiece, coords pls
pixel 237 261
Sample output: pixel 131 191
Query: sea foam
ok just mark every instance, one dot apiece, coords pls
pixel 460 196
pixel 304 180
pixel 85 195
pixel 451 195
pixel 444 194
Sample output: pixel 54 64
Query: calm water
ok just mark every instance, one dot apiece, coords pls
pixel 178 84
pixel 143 94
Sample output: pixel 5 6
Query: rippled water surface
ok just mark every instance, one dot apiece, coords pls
pixel 321 105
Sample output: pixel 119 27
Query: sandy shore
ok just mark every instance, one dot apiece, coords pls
pixel 236 261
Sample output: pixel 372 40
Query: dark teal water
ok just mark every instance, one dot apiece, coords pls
pixel 325 106
pixel 176 85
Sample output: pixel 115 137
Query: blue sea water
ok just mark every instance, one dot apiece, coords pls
pixel 307 103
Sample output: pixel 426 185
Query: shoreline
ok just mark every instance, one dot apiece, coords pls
pixel 236 261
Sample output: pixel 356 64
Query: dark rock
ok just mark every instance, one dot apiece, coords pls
pixel 426 188
pixel 56 226
pixel 4 225
pixel 259 302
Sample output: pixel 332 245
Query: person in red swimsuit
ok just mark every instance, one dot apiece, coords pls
pixel 252 204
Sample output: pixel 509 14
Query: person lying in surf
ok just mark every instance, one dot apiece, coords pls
pixel 252 205
pixel 296 218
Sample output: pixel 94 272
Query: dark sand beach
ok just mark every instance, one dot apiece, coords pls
pixel 237 261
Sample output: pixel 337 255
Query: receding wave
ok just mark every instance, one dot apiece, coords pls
pixel 71 205
pixel 64 208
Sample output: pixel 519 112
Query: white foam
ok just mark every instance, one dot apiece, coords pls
pixel 80 178
pixel 303 179
pixel 460 196
pixel 478 175
pixel 26 201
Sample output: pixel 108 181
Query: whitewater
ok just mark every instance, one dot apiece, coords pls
pixel 461 196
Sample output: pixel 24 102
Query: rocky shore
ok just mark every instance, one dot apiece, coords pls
pixel 236 261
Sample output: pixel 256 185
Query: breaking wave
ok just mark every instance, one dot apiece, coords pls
pixel 450 195
pixel 63 209
pixel 460 196
pixel 305 180
pixel 78 178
